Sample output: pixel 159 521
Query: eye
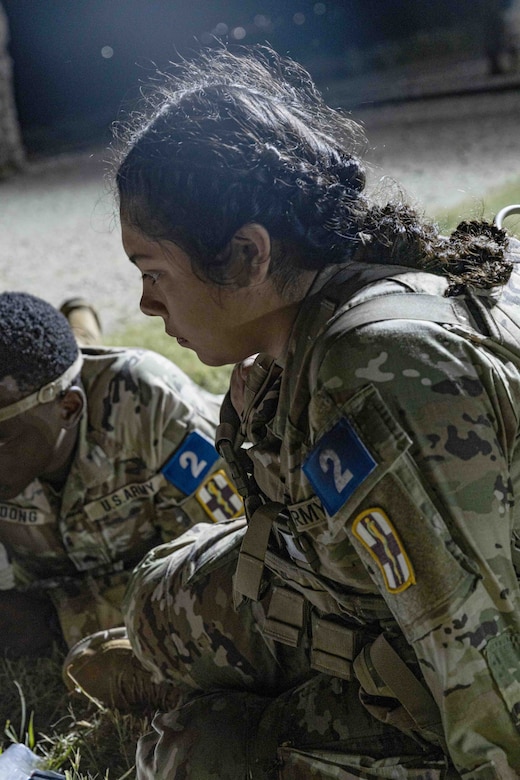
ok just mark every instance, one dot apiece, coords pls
pixel 153 276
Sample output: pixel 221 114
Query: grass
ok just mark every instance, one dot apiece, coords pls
pixel 73 736
pixel 77 737
pixel 486 207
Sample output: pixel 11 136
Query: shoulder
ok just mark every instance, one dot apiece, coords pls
pixel 136 371
pixel 415 365
pixel 111 362
pixel 140 387
pixel 380 324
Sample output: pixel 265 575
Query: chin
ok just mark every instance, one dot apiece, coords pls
pixel 214 360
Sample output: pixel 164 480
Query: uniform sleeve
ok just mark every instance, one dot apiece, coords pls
pixel 181 419
pixel 412 439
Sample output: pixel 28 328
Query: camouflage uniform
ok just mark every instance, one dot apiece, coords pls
pixel 143 467
pixel 371 626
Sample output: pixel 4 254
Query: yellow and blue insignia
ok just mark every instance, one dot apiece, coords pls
pixel 374 530
pixel 219 498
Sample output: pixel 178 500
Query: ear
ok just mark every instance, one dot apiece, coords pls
pixel 72 405
pixel 250 250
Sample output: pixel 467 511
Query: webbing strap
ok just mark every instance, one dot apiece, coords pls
pixel 391 306
pixel 415 698
pixel 250 567
pixel 400 306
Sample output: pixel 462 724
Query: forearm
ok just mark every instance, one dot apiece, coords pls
pixel 471 664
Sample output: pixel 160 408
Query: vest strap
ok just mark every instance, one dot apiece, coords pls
pixel 404 685
pixel 250 567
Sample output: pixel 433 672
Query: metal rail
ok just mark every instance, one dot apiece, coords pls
pixel 506 212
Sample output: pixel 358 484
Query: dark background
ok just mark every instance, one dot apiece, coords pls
pixel 67 91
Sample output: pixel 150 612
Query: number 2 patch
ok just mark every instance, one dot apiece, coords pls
pixel 191 462
pixel 337 465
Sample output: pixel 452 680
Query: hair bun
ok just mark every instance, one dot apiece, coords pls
pixel 350 172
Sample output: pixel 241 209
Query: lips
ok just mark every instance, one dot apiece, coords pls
pixel 180 341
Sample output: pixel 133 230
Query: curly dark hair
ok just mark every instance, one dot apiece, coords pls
pixel 36 342
pixel 233 137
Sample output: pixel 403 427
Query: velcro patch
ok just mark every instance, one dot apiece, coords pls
pixel 218 498
pixel 17 514
pixel 337 465
pixel 376 533
pixel 191 462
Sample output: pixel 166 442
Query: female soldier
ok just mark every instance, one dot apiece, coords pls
pixel 365 621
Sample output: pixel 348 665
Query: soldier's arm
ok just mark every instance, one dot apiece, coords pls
pixel 431 518
pixel 193 485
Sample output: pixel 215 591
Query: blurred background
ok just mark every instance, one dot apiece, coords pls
pixel 434 82
pixel 78 62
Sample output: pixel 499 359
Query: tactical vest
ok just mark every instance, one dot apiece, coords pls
pixel 490 321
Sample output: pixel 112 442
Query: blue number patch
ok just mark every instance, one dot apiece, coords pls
pixel 337 465
pixel 191 462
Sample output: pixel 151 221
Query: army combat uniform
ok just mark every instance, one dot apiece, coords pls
pixel 144 470
pixel 365 622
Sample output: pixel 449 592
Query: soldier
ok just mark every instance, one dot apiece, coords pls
pixel 104 453
pixel 365 621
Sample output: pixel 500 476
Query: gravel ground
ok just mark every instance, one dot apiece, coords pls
pixel 60 237
pixel 58 223
pixel 447 150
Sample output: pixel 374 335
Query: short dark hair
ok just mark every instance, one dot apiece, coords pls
pixel 241 136
pixel 36 342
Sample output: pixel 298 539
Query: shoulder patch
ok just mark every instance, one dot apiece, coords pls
pixel 375 531
pixel 191 462
pixel 337 465
pixel 219 498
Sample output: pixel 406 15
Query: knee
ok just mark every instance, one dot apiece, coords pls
pixel 149 598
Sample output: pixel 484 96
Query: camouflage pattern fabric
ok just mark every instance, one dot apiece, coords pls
pixel 258 694
pixel 397 468
pixel 79 545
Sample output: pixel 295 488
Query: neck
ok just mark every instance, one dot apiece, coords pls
pixel 289 313
pixel 59 467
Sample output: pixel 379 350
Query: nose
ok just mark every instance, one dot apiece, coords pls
pixel 151 306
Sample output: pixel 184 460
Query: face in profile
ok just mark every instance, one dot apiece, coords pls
pixel 223 324
pixel 32 443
